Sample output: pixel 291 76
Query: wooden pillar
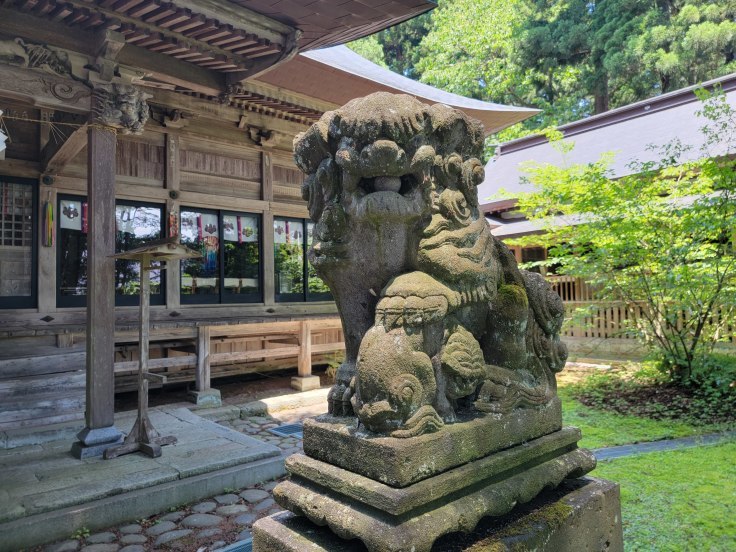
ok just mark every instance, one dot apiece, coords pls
pixel 106 120
pixel 100 276
pixel 203 395
pixel 305 380
pixel 173 270
pixel 269 284
pixel 100 432
pixel 304 367
pixel 46 257
pixel 202 377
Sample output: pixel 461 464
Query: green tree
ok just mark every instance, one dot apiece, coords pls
pixel 627 50
pixel 396 48
pixel 472 49
pixel 370 48
pixel 400 44
pixel 661 239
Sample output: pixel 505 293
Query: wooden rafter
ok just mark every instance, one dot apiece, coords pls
pixel 177 31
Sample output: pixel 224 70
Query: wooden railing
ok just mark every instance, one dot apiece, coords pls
pixel 615 320
pixel 571 288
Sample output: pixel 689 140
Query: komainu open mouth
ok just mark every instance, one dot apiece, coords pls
pixel 402 185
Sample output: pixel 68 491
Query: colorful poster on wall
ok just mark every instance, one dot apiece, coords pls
pixel 71 215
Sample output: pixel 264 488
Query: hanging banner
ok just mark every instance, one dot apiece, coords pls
pixel 173 225
pixel 208 225
pixel 70 217
pixel 85 217
pixel 188 226
pixel 230 228
pixel 210 246
pixel 279 231
pixel 125 218
pixel 248 228
pixel 295 232
pixel 49 228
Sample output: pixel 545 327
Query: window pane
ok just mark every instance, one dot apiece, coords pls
pixel 200 231
pixel 242 254
pixel 317 288
pixel 16 239
pixel 288 238
pixel 532 254
pixel 136 225
pixel 72 247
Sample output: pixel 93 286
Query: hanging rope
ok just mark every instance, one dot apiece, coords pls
pixel 58 135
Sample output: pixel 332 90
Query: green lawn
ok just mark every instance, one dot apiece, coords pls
pixel 677 501
pixel 604 429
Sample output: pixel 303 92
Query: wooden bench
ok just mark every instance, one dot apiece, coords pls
pixel 278 340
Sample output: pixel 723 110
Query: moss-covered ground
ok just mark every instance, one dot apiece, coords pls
pixel 671 501
pixel 604 428
pixel 677 501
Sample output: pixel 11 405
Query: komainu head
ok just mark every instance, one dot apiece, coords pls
pixel 383 156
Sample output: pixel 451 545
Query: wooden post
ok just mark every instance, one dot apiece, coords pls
pixel 106 119
pixel 203 394
pixel 305 380
pixel 143 437
pixel 46 258
pixel 305 349
pixel 269 284
pixel 100 276
pixel 203 359
pixel 100 432
pixel 173 271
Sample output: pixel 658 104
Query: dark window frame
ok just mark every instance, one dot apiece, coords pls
pixel 305 296
pixel 27 301
pixel 222 297
pixel 70 301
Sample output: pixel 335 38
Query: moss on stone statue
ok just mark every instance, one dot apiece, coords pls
pixel 551 516
pixel 513 296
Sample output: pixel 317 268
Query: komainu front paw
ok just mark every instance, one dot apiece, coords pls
pixel 338 400
pixel 414 299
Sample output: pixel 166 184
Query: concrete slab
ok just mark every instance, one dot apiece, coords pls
pixel 44 482
pixel 272 405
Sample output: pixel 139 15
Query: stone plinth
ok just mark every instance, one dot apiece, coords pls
pixel 400 462
pixel 582 514
pixel 390 518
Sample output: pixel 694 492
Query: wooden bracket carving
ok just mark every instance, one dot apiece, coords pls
pixel 120 106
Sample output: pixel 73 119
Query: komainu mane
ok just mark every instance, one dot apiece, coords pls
pixel 440 323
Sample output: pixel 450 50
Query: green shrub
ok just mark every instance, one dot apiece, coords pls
pixel 708 397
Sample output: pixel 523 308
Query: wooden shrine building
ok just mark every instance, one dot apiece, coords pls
pixel 136 120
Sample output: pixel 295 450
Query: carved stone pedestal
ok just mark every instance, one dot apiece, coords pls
pixel 581 514
pixel 413 516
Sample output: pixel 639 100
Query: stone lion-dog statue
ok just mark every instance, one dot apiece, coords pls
pixel 439 321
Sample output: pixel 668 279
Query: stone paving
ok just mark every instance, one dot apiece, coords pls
pixel 204 526
pixel 212 524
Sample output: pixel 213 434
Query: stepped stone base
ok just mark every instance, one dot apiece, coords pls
pixel 401 462
pixel 581 514
pixel 396 519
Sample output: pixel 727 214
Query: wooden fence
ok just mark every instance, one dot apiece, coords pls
pixel 571 288
pixel 605 319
